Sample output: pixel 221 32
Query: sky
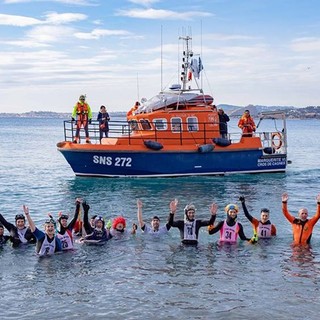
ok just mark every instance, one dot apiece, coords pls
pixel 260 52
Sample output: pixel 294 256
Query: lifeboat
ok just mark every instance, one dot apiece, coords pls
pixel 176 133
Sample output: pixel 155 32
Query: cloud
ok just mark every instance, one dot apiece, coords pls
pixel 98 33
pixel 56 18
pixel 49 33
pixel 145 3
pixel 73 2
pixel 18 21
pixel 307 44
pixel 154 14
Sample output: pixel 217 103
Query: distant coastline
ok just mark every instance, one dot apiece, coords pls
pixel 310 112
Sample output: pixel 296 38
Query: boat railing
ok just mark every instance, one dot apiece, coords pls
pixel 202 133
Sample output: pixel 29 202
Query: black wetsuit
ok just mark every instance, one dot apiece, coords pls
pixel 199 223
pixel 93 233
pixel 3 240
pixel 14 236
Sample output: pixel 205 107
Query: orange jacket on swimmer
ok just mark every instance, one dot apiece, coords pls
pixel 302 230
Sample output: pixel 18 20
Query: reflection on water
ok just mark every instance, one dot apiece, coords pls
pixel 301 261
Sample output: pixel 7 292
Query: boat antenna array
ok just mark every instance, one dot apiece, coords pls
pixel 187 54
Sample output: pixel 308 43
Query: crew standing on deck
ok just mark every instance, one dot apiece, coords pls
pixel 246 124
pixel 103 118
pixel 223 127
pixel 82 114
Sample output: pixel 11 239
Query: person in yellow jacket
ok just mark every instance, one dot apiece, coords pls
pixel 82 114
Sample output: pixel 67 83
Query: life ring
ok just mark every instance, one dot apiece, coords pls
pixel 276 140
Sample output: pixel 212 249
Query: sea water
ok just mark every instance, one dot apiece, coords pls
pixel 144 278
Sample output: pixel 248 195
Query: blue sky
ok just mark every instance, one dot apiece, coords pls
pixel 262 52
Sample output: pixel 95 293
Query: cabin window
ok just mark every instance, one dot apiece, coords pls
pixel 176 124
pixel 160 124
pixel 192 123
pixel 145 124
pixel 133 125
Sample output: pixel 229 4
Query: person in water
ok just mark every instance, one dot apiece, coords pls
pixel 118 227
pixel 47 242
pixel 262 228
pixel 19 233
pixel 302 227
pixel 154 228
pixel 229 228
pixel 103 118
pixel 189 227
pixel 3 238
pixel 65 229
pixel 98 232
pixel 246 124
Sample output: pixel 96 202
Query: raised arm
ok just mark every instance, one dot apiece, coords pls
pixel 76 214
pixel 139 214
pixel 244 207
pixel 30 221
pixel 317 215
pixel 86 223
pixel 213 210
pixel 9 226
pixel 173 210
pixel 285 211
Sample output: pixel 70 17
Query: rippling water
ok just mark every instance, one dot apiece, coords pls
pixel 147 278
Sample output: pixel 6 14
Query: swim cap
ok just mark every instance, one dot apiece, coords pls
pixel 155 218
pixel 94 216
pixel 189 207
pixel 50 220
pixel 231 206
pixel 118 220
pixel 62 216
pixel 20 216
pixel 98 218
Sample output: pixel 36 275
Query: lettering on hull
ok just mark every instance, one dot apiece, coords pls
pixel 112 161
pixel 272 162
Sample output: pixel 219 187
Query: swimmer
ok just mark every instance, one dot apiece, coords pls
pixel 302 227
pixel 97 232
pixel 229 228
pixel 154 228
pixel 47 243
pixel 19 233
pixel 263 228
pixel 118 228
pixel 189 227
pixel 65 229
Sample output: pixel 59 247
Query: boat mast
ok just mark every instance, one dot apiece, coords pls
pixel 187 54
